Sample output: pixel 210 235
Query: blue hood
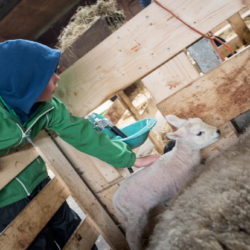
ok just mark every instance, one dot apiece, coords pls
pixel 25 70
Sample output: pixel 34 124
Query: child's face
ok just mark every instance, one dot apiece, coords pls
pixel 50 89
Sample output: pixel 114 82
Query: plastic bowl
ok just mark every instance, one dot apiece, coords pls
pixel 137 132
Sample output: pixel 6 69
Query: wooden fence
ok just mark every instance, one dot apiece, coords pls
pixel 150 47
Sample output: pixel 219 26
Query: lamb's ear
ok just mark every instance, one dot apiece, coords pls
pixel 175 121
pixel 180 133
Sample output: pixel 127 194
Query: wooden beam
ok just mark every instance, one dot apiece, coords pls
pixel 137 48
pixel 240 28
pixel 218 96
pixel 80 191
pixel 244 11
pixel 221 27
pixel 106 197
pixel 25 227
pixel 84 237
pixel 134 112
pixel 170 77
pixel 84 43
pixel 12 164
pixel 130 7
pixel 225 25
pixel 6 6
pixel 95 172
pixel 234 43
pixel 150 110
pixel 115 112
pixel 29 19
pixel 2 39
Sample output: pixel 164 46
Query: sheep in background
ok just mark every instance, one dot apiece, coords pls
pixel 161 181
pixel 213 211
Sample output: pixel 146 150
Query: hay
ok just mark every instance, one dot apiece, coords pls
pixel 85 17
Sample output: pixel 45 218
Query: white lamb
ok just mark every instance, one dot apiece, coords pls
pixel 213 210
pixel 161 181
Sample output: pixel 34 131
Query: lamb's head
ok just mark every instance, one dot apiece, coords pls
pixel 194 131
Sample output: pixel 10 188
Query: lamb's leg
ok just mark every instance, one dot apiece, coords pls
pixel 134 231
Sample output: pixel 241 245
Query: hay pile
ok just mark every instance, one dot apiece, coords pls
pixel 85 17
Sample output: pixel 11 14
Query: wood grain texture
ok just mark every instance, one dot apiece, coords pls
pixel 84 237
pixel 240 28
pixel 170 77
pixel 23 230
pixel 12 164
pixel 84 43
pixel 140 46
pixel 235 43
pixel 96 173
pixel 30 18
pixel 80 191
pixel 135 113
pixel 115 112
pixel 218 96
pixel 106 197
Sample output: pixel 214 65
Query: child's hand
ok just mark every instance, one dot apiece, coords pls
pixel 145 161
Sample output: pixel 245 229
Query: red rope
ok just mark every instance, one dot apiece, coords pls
pixel 212 37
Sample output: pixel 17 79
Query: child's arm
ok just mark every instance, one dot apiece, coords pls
pixel 145 161
pixel 80 133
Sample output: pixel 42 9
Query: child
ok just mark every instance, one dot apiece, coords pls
pixel 27 106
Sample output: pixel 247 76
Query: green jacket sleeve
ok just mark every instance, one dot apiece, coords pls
pixel 79 132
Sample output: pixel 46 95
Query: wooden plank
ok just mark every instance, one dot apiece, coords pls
pixel 218 96
pixel 84 43
pixel 150 110
pixel 130 7
pixel 80 191
pixel 95 172
pixel 2 39
pixel 106 197
pixel 244 11
pixel 130 53
pixel 115 112
pixel 240 28
pixel 219 28
pixel 84 237
pixel 234 43
pixel 170 77
pixel 23 230
pixel 6 6
pixel 29 19
pixel 225 25
pixel 135 113
pixel 12 164
pixel 228 138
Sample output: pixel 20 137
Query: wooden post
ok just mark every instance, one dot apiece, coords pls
pixel 23 229
pixel 80 191
pixel 218 96
pixel 2 39
pixel 127 103
pixel 240 28
pixel 130 53
pixel 13 164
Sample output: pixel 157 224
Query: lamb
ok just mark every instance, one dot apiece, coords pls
pixel 160 182
pixel 213 211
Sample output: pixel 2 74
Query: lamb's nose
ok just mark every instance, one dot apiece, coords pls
pixel 218 131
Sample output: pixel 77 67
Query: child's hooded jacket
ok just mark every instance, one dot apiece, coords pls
pixel 26 68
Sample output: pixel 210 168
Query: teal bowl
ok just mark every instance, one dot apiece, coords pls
pixel 137 133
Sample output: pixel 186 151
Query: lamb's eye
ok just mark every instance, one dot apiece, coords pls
pixel 200 133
